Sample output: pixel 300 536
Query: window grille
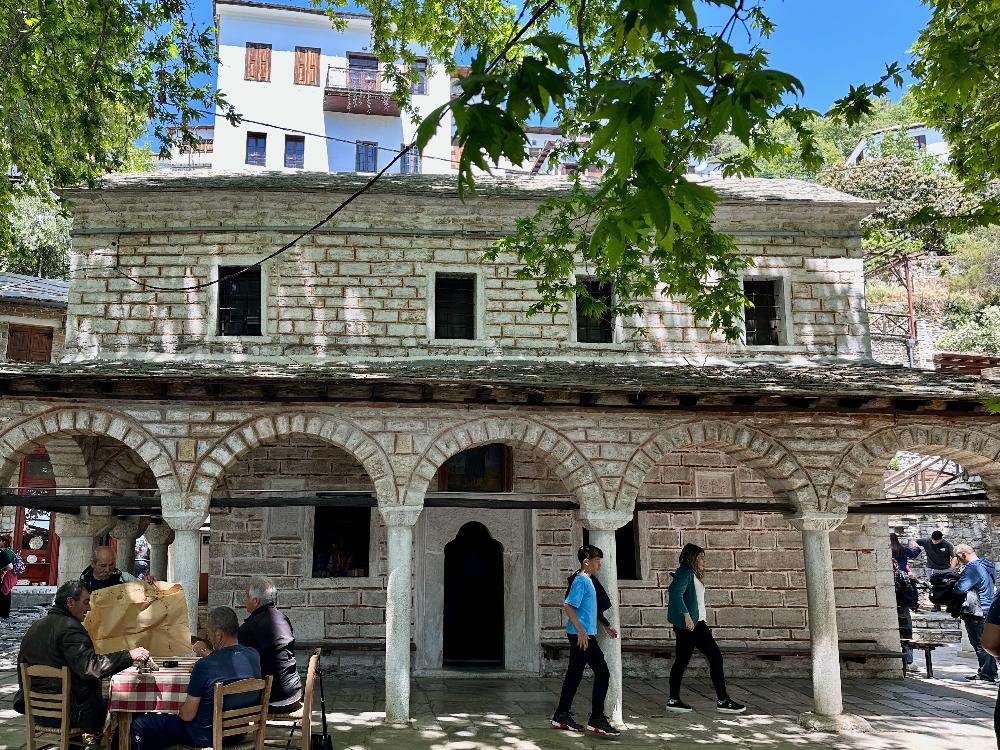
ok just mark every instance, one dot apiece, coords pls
pixel 763 320
pixel 239 302
pixel 454 306
pixel 591 330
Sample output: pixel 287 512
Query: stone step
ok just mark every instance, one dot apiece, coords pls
pixel 936 626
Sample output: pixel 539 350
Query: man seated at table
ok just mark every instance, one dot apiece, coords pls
pixel 228 663
pixel 103 571
pixel 60 640
pixel 268 631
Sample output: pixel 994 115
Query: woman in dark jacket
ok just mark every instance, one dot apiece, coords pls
pixel 6 563
pixel 686 612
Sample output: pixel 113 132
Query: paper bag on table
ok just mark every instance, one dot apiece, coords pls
pixel 140 614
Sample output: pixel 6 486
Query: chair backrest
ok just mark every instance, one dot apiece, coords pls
pixel 307 698
pixel 250 720
pixel 53 706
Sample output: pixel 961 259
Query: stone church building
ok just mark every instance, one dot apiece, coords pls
pixel 372 420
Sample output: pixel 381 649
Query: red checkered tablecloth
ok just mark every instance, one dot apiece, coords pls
pixel 164 690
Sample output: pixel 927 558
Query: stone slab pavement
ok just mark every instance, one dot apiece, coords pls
pixel 459 711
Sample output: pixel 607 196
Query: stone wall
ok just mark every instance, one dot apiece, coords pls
pixel 33 315
pixel 979 531
pixel 364 287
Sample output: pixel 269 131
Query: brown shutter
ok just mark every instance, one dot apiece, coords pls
pixel 312 67
pixel 265 62
pixel 258 62
pixel 29 344
pixel 300 64
pixel 250 69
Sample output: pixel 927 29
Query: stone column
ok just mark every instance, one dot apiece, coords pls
pixel 828 714
pixel 399 523
pixel 602 526
pixel 159 536
pixel 126 531
pixel 187 557
pixel 76 541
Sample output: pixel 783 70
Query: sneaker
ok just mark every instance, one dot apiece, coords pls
pixel 729 706
pixel 678 706
pixel 564 720
pixel 602 727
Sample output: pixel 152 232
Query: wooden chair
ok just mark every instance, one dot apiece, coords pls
pixel 250 720
pixel 286 727
pixel 49 706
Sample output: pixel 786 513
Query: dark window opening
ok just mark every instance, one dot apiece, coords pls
pixel 341 542
pixel 594 330
pixel 627 550
pixel 366 156
pixel 488 468
pixel 409 163
pixel 239 302
pixel 295 151
pixel 454 306
pixel 256 149
pixel 921 141
pixel 763 320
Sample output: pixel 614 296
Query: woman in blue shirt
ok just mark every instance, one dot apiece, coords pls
pixel 902 554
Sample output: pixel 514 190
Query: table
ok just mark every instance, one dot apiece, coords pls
pixel 134 692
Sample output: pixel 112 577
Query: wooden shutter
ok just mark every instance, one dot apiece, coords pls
pixel 258 62
pixel 307 66
pixel 29 344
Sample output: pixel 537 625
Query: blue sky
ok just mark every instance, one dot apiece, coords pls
pixel 828 46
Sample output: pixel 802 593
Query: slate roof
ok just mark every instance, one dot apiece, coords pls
pixel 735 190
pixel 873 381
pixel 32 290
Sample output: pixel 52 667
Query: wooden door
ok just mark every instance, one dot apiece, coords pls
pixel 29 344
pixel 35 538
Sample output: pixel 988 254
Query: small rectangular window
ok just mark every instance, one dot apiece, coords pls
pixel 921 141
pixel 420 85
pixel 454 306
pixel 594 327
pixel 627 549
pixel 366 156
pixel 409 163
pixel 257 149
pixel 341 543
pixel 295 151
pixel 29 344
pixel 763 320
pixel 488 468
pixel 239 301
pixel 306 72
pixel 257 63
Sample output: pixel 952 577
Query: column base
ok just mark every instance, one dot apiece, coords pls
pixel 837 723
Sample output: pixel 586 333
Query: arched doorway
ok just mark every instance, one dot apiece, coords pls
pixel 473 599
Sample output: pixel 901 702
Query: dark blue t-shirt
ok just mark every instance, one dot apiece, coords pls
pixel 225 665
pixel 993 614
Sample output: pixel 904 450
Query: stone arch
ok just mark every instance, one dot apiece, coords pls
pixel 257 431
pixel 558 451
pixel 55 428
pixel 859 469
pixel 747 445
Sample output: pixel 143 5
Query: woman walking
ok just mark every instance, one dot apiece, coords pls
pixel 6 566
pixel 686 612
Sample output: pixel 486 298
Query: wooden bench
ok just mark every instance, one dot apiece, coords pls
pixel 851 651
pixel 927 647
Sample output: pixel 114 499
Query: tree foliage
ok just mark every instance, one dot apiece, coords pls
pixel 38 242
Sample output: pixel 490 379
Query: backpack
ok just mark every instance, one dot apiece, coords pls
pixel 19 566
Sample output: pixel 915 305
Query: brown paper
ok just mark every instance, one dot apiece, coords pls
pixel 140 614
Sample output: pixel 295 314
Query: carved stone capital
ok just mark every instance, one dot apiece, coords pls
pixel 817 521
pixel 401 515
pixel 159 533
pixel 184 521
pixel 86 524
pixel 604 520
pixel 129 528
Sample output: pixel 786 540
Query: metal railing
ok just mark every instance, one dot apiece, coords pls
pixel 357 80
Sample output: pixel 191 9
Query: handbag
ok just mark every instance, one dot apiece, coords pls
pixel 320 741
pixel 8 583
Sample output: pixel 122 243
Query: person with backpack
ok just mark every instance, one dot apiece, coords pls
pixel 978 582
pixel 907 600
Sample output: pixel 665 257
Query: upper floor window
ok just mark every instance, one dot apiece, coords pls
pixel 488 468
pixel 362 72
pixel 257 64
pixel 307 66
pixel 593 327
pixel 29 344
pixel 256 149
pixel 409 163
pixel 921 141
pixel 295 151
pixel 365 156
pixel 764 321
pixel 419 86
pixel 454 306
pixel 240 301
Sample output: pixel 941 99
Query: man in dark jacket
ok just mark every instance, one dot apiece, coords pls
pixel 60 640
pixel 103 571
pixel 269 632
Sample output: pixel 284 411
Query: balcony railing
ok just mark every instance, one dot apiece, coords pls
pixel 358 90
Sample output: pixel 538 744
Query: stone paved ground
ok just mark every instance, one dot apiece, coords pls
pixel 466 713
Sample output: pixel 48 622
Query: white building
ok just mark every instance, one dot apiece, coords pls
pixel 926 139
pixel 313 97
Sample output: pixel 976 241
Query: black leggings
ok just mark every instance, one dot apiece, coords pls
pixel 578 659
pixel 5 605
pixel 687 641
